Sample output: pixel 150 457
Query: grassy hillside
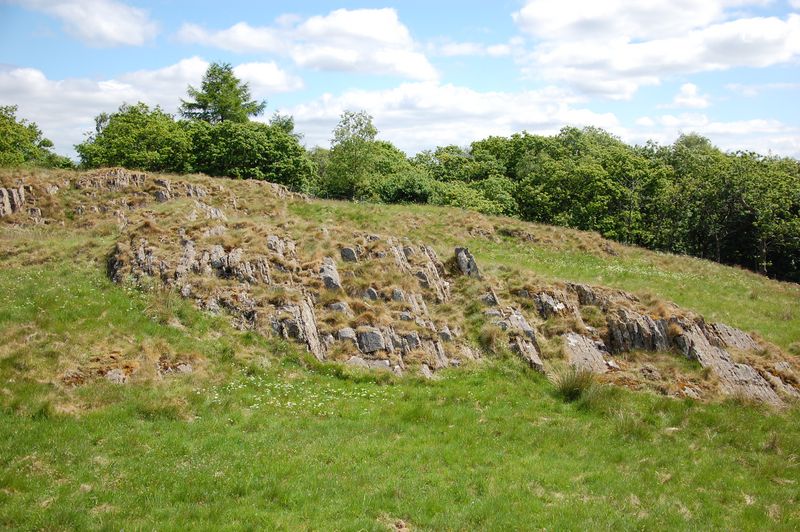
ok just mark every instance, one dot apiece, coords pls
pixel 260 434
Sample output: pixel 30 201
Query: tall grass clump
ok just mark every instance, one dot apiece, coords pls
pixel 574 384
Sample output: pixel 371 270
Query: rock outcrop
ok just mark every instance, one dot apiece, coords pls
pixel 584 354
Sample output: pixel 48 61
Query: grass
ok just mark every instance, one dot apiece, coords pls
pixel 259 435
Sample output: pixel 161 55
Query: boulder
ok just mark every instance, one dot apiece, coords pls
pixel 370 340
pixel 528 351
pixel 466 263
pixel 490 298
pixel 550 304
pixel 398 295
pixel 583 353
pixel 371 294
pixel 349 255
pixel 330 275
pixel 341 306
pixel 519 325
pixel 347 333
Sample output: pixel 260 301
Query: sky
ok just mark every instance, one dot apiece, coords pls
pixel 430 73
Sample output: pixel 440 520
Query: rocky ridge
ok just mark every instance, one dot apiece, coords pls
pixel 380 302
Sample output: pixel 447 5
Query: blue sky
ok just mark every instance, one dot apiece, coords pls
pixel 431 73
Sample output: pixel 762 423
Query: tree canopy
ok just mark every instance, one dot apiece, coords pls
pixel 222 97
pixel 22 142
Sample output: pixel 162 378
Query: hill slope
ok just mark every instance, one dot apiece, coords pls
pixel 234 425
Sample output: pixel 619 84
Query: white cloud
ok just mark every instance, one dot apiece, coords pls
pixel 689 96
pixel 423 115
pixel 760 135
pixel 613 48
pixel 65 109
pixel 358 40
pixel 99 22
pixel 752 90
pixel 473 49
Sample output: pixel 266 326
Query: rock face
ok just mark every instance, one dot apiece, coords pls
pixel 299 322
pixel 735 379
pixel 12 200
pixel 584 353
pixel 407 320
pixel 466 263
pixel 628 331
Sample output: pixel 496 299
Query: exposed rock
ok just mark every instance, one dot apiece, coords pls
pixel 184 368
pixel 723 335
pixel 406 316
pixel 735 379
pixel 211 213
pixel 341 306
pixel 411 340
pixel 111 179
pixel 299 322
pixel 195 191
pixel 117 376
pixel 330 275
pixel 398 295
pixel 584 353
pixel 528 350
pixel 446 334
pixel 518 324
pixel 347 333
pixel 549 305
pixel 466 263
pixel 283 247
pixel 426 372
pixel 490 298
pixel 370 339
pixel 381 365
pixel 349 255
pixel 371 294
pixel 217 230
pixel 628 330
pixel 163 196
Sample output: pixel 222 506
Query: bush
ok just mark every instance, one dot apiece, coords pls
pixel 251 150
pixel 22 143
pixel 138 138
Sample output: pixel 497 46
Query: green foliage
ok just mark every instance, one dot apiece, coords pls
pixel 22 143
pixel 251 150
pixel 222 97
pixel 139 138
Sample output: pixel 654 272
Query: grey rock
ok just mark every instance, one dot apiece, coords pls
pixel 371 294
pixel 494 313
pixel 411 340
pixel 117 376
pixel 184 367
pixel 328 340
pixel 490 298
pixel 347 333
pixel 217 230
pixel 734 378
pixel 195 191
pixel 341 306
pixel 723 335
pixel 349 255
pixel 186 290
pixel 650 372
pixel 629 330
pixel 426 372
pixel 548 305
pixel 370 340
pixel 466 263
pixel 518 323
pixel 406 316
pixel 584 353
pixel 298 321
pixel 163 196
pixel 528 351
pixel 330 275
pixel 398 295
pixel 446 334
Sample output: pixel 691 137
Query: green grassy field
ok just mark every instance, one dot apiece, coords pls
pixel 261 436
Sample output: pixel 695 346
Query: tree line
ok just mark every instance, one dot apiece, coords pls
pixel 739 208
